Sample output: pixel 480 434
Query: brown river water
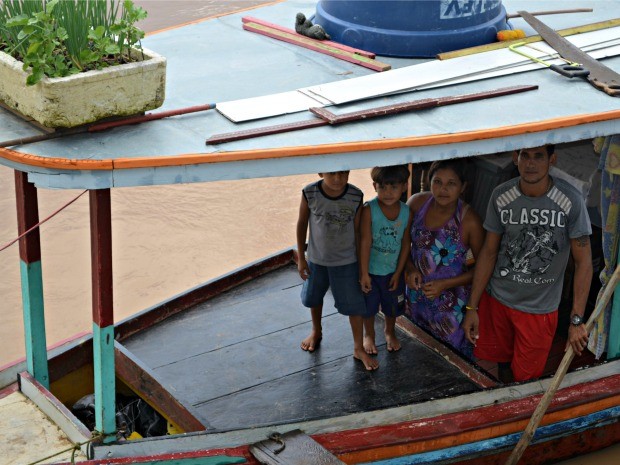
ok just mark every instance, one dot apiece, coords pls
pixel 166 239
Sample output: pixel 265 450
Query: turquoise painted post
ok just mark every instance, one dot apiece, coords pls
pixel 613 340
pixel 34 321
pixel 105 382
pixel 31 278
pixel 103 312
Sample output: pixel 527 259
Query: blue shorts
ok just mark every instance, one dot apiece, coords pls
pixel 344 283
pixel 392 303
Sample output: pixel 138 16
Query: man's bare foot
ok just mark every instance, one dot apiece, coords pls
pixel 392 343
pixel 369 362
pixel 312 342
pixel 369 345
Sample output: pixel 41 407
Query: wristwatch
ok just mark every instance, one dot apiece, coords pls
pixel 576 320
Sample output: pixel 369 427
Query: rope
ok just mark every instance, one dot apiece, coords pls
pixel 95 436
pixel 7 245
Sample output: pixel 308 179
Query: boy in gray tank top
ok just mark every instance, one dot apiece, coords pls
pixel 533 223
pixel 331 208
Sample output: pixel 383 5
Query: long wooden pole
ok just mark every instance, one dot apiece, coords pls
pixel 552 12
pixel 546 399
pixel 499 45
pixel 103 126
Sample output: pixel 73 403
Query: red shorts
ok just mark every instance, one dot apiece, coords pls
pixel 509 335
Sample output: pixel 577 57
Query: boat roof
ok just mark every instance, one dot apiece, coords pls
pixel 215 61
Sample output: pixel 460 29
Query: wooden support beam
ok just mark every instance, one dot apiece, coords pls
pixel 144 383
pixel 317 46
pixel 31 278
pixel 103 312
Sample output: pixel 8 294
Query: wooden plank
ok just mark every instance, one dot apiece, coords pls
pixel 213 288
pixel 583 387
pixel 374 112
pixel 457 428
pixel 327 117
pixel 552 12
pixel 317 46
pixel 409 78
pixel 28 435
pixel 264 131
pixel 446 352
pixel 292 448
pixel 536 38
pixel 346 48
pixel 183 458
pixel 60 415
pixel 142 381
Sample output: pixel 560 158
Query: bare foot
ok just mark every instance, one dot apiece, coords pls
pixel 312 341
pixel 369 345
pixel 369 362
pixel 392 343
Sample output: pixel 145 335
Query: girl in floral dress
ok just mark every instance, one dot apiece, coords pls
pixel 444 228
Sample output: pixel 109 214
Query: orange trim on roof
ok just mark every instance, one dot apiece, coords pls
pixel 55 163
pixel 301 151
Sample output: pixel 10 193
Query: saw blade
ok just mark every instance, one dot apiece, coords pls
pixel 601 77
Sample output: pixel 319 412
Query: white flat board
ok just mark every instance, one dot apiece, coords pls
pixel 267 105
pixel 412 77
pixel 599 44
pixel 613 49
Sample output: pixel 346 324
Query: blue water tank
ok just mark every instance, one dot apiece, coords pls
pixel 411 28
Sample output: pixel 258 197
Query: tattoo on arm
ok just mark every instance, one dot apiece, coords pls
pixel 583 241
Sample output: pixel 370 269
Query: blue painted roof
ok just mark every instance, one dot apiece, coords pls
pixel 216 61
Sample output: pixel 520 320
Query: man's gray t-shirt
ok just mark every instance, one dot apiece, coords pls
pixel 332 225
pixel 535 244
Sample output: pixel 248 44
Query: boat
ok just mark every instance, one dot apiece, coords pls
pixel 218 367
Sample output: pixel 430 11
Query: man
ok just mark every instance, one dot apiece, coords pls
pixel 533 223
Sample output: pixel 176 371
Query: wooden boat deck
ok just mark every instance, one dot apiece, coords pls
pixel 234 361
pixel 28 435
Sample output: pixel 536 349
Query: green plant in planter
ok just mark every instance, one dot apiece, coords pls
pixel 57 38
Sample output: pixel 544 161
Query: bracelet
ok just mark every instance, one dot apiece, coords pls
pixel 467 307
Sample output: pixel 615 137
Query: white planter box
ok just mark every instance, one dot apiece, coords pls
pixel 85 97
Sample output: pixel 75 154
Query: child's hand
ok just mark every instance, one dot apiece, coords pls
pixel 414 279
pixel 394 281
pixel 433 289
pixel 303 269
pixel 365 282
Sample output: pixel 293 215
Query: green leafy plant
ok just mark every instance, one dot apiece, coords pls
pixel 57 38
